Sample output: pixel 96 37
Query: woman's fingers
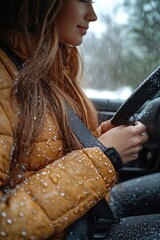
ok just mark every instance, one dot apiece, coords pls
pixel 144 137
pixel 106 126
pixel 140 127
pixel 128 140
pixel 141 130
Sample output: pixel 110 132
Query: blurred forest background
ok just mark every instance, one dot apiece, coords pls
pixel 126 52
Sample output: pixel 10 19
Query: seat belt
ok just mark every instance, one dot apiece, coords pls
pixel 101 212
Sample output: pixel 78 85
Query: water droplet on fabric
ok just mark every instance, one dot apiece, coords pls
pixel 9 221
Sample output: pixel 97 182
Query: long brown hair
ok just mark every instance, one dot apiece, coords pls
pixel 47 78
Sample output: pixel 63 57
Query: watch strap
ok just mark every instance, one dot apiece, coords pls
pixel 114 157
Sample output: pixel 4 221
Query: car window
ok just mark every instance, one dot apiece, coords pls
pixel 122 48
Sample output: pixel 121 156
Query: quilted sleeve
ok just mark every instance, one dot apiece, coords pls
pixel 6 123
pixel 52 198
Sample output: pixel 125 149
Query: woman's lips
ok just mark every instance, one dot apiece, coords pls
pixel 83 29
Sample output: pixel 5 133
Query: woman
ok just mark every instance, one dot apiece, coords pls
pixel 47 179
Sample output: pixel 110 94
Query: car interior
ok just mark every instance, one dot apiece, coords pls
pixel 149 157
pixel 121 51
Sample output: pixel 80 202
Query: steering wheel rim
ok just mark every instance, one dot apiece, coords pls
pixel 145 91
pixel 151 113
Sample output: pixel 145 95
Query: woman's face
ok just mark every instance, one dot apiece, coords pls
pixel 73 20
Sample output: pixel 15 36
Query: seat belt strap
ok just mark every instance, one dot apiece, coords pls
pixel 104 217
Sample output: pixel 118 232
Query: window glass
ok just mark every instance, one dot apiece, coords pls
pixel 122 48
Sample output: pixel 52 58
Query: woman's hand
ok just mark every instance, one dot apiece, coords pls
pixel 105 126
pixel 127 140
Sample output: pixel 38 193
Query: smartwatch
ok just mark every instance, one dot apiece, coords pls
pixel 113 156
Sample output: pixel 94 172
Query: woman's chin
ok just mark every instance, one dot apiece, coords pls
pixel 75 42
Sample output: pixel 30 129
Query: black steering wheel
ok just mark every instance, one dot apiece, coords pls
pixel 150 115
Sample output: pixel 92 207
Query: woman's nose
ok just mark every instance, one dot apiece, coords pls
pixel 91 15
